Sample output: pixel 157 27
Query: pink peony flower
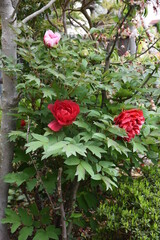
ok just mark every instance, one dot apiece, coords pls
pixel 65 113
pixel 51 39
pixel 130 120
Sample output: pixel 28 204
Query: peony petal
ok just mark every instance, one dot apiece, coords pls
pixel 54 126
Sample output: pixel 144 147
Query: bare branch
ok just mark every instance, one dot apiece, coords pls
pixel 63 217
pixel 35 14
pixel 16 8
pixel 72 207
pixel 81 25
pixel 59 30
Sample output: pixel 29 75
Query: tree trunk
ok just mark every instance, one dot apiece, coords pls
pixel 8 103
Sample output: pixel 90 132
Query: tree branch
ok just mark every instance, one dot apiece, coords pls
pixel 35 14
pixel 117 34
pixel 72 207
pixel 15 10
pixel 59 30
pixel 63 217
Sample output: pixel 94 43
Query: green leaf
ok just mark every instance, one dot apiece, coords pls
pixel 146 131
pixel 72 149
pixel 33 146
pixel 97 177
pixel 17 178
pixel 108 182
pixel 72 161
pixel 56 148
pixel 87 167
pixel 119 148
pixel 40 138
pixel 82 125
pixel 32 78
pixel 138 147
pixel 80 172
pixel 51 232
pixel 99 136
pixel 48 92
pixel 31 183
pixel 117 131
pixel 106 164
pixel 15 226
pixel 41 235
pixel 25 232
pixel 96 150
pixel 25 217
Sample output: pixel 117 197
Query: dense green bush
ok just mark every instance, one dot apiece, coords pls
pixel 133 210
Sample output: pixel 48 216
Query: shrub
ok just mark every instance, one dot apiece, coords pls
pixel 133 210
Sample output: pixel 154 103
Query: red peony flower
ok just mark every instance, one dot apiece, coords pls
pixel 130 120
pixel 65 113
pixel 23 123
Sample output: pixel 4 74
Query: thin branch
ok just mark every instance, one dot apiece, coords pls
pixel 72 207
pixel 147 49
pixel 63 217
pixel 81 25
pixel 148 78
pixel 59 30
pixel 35 14
pixel 54 7
pixel 37 171
pixel 117 34
pixel 15 10
pixel 87 17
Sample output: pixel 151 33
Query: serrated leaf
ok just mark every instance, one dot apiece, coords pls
pixel 96 150
pixel 97 177
pixel 138 147
pixel 51 232
pixel 71 149
pixel 108 182
pixel 72 161
pixel 99 136
pixel 106 164
pixel 54 149
pixel 80 172
pixel 41 235
pixel 117 131
pixel 15 226
pixel 48 92
pixel 32 78
pixel 33 146
pixel 25 217
pixel 87 167
pixel 40 138
pixel 146 131
pixel 82 125
pixel 93 113
pixel 25 232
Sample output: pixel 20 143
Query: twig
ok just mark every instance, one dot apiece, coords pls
pixel 87 17
pixel 117 34
pixel 147 48
pixel 15 10
pixel 63 217
pixel 37 171
pixel 55 11
pixel 72 207
pixel 80 26
pixel 52 23
pixel 35 14
pixel 147 78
